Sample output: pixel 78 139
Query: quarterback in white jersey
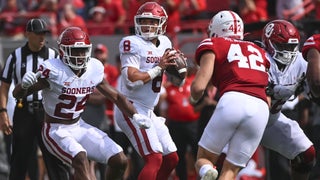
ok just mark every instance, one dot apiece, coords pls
pixel 144 57
pixel 287 77
pixel 66 84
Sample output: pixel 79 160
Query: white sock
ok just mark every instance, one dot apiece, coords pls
pixel 204 169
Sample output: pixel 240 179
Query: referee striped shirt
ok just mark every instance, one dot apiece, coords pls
pixel 22 60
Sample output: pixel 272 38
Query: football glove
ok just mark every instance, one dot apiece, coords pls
pixel 142 121
pixel 29 79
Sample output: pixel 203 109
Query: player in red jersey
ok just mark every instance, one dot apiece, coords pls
pixel 311 53
pixel 239 70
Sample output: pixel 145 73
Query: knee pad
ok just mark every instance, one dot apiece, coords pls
pixel 304 162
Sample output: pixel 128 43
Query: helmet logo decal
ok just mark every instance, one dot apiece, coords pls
pixel 293 41
pixel 79 44
pixel 269 30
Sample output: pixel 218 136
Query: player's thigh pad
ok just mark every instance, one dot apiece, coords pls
pixel 61 140
pixel 239 120
pixel 163 134
pixel 285 137
pixel 99 146
pixel 145 141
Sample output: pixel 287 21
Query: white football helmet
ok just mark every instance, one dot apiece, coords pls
pixel 150 10
pixel 226 24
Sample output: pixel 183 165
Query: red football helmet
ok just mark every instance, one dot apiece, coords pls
pixel 281 39
pixel 74 47
pixel 150 10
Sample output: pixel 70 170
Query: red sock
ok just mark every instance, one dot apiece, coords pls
pixel 152 163
pixel 169 162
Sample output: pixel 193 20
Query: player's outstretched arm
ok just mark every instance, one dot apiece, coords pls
pixel 123 104
pixel 116 97
pixel 313 71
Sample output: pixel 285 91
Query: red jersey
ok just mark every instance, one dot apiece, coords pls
pixel 77 21
pixel 311 42
pixel 11 26
pixel 114 10
pixel 100 28
pixel 111 74
pixel 173 12
pixel 179 108
pixel 257 15
pixel 239 66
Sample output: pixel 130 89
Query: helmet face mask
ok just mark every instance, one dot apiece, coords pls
pixel 285 53
pixel 76 58
pixel 281 40
pixel 226 24
pixel 75 48
pixel 152 12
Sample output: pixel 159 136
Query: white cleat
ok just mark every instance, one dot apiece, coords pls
pixel 211 174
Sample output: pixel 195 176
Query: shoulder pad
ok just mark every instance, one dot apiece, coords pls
pixel 130 44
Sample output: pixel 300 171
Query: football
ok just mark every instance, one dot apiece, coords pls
pixel 177 73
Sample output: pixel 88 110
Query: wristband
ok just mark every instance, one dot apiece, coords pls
pixel 3 110
pixel 193 101
pixel 23 88
pixel 154 72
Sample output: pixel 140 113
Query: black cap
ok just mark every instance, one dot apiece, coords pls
pixel 37 26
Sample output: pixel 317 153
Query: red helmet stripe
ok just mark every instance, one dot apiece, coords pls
pixel 234 22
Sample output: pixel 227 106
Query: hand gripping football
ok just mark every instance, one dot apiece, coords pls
pixel 177 73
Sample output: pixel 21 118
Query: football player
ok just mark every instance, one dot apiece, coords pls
pixel 311 53
pixel 239 70
pixel 67 84
pixel 287 77
pixel 144 59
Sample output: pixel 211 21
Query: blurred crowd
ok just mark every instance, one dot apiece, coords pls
pixel 106 17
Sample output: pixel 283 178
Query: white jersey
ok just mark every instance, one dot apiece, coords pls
pixel 68 93
pixel 285 83
pixel 282 134
pixel 143 55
